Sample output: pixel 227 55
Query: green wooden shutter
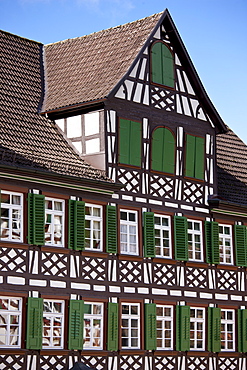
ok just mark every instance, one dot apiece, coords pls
pixel 111 229
pixel 242 330
pixel 149 240
pixel 34 323
pixel 156 57
pixel 124 141
pixel 181 238
pixel 36 219
pixel 79 225
pixel 76 238
pixel 150 326
pixel 157 149
pixel 190 156
pixel 212 242
pixel 135 143
pixel 162 65
pixel 199 158
pixel 240 245
pixel 71 219
pixel 130 142
pixel 169 152
pixel 167 66
pixel 182 328
pixel 214 329
pixel 163 150
pixel 112 327
pixel 195 148
pixel 76 317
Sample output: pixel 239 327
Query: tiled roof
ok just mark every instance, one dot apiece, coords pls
pixel 232 168
pixel 27 139
pixel 87 68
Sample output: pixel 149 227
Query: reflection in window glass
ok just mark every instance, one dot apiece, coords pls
pixel 197 328
pixel 93 227
pixel 54 222
pixel 164 316
pixel 93 325
pixel 227 330
pixel 10 322
pixel 11 216
pixel 225 239
pixel 162 236
pixel 195 240
pixel 130 324
pixel 53 324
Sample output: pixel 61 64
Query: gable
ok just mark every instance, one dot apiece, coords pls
pixel 145 84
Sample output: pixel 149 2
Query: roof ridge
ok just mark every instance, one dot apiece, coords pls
pixel 104 30
pixel 21 37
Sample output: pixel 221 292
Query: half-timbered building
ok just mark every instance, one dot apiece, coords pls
pixel 123 207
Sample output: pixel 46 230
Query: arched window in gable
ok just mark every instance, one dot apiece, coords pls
pixel 162 64
pixel 163 150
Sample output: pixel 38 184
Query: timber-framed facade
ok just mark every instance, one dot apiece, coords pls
pixel 123 208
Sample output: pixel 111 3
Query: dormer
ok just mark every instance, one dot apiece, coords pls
pixel 85 132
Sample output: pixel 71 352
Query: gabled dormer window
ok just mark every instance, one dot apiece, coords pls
pixel 163 150
pixel 194 160
pixel 162 64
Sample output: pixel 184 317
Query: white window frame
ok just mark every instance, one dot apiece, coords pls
pixel 129 224
pixel 223 238
pixel 11 207
pixel 8 313
pixel 91 317
pixel 91 219
pixel 164 319
pixel 53 316
pixel 196 321
pixel 159 229
pixel 193 243
pixel 225 332
pixel 53 213
pixel 129 317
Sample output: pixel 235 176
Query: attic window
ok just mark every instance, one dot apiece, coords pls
pixel 194 157
pixel 162 64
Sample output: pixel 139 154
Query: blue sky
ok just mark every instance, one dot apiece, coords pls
pixel 214 33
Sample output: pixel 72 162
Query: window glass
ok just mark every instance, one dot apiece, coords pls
pixel 227 330
pixel 92 146
pixel 11 216
pixel 128 232
pixel 164 317
pixel 91 121
pixel 130 325
pixel 93 227
pixel 197 328
pixel 54 222
pixel 162 236
pixel 195 240
pixel 74 126
pixel 226 247
pixel 53 324
pixel 93 325
pixel 10 322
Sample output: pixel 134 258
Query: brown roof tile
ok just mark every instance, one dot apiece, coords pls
pixel 27 139
pixel 232 167
pixel 87 68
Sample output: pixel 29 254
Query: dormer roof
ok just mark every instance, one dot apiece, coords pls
pixel 29 141
pixel 87 69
